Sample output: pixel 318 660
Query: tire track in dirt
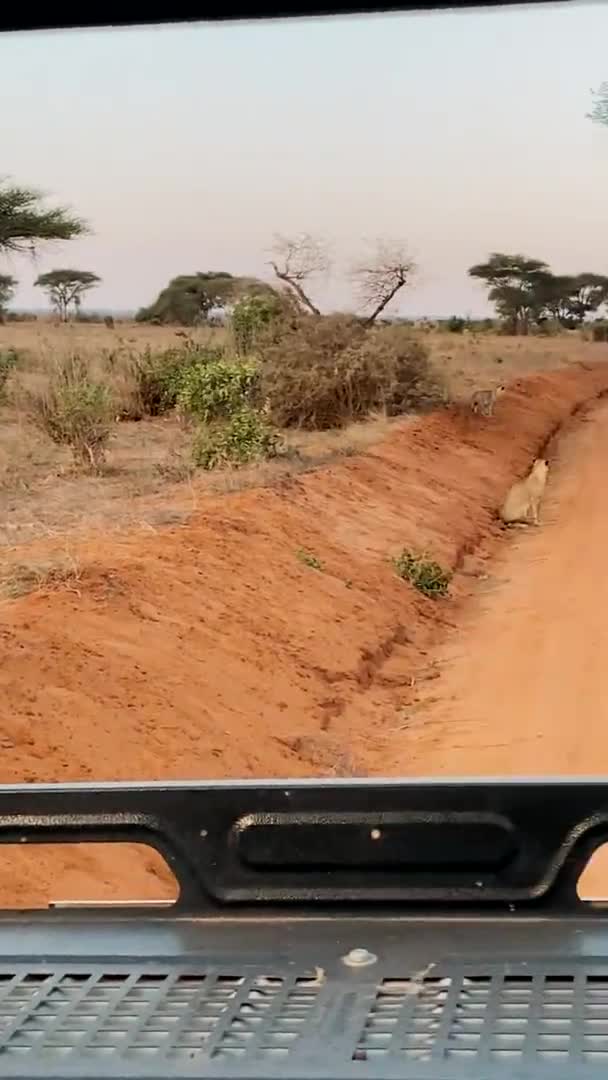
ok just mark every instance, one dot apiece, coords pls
pixel 523 689
pixel 524 684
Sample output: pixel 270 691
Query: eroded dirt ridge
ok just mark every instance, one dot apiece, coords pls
pixel 213 650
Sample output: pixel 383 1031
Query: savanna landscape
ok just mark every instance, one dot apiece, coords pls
pixel 246 534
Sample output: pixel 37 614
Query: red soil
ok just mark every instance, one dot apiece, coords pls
pixel 214 650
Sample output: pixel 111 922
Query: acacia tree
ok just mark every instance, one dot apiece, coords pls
pixel 378 280
pixel 297 260
pixel 570 298
pixel 525 291
pixel 25 223
pixel 8 284
pixel 65 288
pixel 513 283
pixel 190 298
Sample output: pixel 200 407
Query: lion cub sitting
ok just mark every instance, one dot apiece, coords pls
pixel 523 500
pixel 483 401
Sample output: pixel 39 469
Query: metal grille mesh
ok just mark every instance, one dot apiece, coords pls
pixel 490 1018
pixel 479 1020
pixel 138 1016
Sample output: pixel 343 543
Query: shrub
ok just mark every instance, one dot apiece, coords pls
pixel 8 360
pixel 159 375
pixel 456 324
pixel 330 371
pixel 480 326
pixel 547 328
pixel 308 558
pixel 599 331
pixel 424 574
pixel 244 438
pixel 217 388
pixel 18 316
pixel 75 411
pixel 89 317
pixel 251 317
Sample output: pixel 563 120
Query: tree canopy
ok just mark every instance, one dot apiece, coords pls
pixel 66 288
pixel 25 223
pixel 189 298
pixel 8 284
pixel 525 292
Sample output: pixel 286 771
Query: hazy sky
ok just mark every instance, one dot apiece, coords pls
pixel 187 148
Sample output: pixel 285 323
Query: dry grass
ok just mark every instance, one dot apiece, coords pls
pixel 476 361
pixel 467 360
pixel 149 481
pixel 20 578
pixel 43 338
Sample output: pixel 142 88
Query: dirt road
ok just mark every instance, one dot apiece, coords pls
pixel 524 688
pixel 524 685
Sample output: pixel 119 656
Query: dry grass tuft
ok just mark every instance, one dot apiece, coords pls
pixel 21 578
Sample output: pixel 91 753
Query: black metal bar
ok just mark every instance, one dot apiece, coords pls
pixel 135 12
pixel 451 844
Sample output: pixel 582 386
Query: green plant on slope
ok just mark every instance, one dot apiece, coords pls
pixel 424 574
pixel 309 559
pixel 243 439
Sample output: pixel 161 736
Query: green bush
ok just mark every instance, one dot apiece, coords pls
pixel 75 411
pixel 159 375
pixel 331 371
pixel 424 574
pixel 250 319
pixel 244 438
pixel 217 388
pixel 308 558
pixel 456 324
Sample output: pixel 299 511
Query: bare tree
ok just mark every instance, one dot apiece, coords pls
pixel 298 259
pixel 378 280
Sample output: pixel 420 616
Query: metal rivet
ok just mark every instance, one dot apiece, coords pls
pixel 359 958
